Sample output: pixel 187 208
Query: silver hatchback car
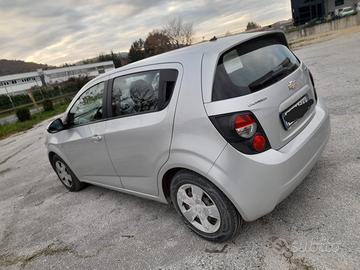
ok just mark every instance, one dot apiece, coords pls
pixel 223 130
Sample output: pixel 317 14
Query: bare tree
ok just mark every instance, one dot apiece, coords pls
pixel 180 33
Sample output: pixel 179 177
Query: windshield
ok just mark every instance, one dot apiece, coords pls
pixel 244 71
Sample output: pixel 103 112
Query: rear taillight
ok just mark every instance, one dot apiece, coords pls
pixel 313 84
pixel 259 143
pixel 245 126
pixel 242 131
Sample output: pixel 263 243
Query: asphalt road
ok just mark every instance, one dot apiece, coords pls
pixel 43 226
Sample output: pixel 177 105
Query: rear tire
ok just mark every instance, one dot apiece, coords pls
pixel 66 175
pixel 203 207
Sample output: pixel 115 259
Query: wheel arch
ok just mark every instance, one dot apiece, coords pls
pixel 52 151
pixel 166 181
pixel 169 174
pixel 51 155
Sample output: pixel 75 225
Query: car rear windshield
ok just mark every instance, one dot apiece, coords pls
pixel 252 66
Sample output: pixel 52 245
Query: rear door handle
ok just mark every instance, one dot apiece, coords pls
pixel 96 138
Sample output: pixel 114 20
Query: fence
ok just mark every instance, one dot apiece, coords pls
pixel 60 91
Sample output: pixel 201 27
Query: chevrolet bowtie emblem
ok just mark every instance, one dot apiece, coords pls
pixel 292 85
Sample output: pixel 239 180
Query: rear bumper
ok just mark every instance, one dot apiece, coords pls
pixel 257 183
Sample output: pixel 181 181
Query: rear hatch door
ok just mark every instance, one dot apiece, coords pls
pixel 263 76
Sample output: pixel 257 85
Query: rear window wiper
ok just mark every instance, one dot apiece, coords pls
pixel 272 76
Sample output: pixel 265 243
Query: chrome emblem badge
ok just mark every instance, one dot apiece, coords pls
pixel 292 85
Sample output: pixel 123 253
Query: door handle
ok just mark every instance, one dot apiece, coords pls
pixel 96 138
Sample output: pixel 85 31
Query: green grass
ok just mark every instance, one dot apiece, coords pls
pixel 9 129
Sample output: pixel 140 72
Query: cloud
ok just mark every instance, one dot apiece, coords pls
pixel 55 32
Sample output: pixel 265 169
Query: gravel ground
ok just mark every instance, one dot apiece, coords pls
pixel 43 226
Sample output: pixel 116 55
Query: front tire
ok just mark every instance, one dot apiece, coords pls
pixel 203 207
pixel 66 175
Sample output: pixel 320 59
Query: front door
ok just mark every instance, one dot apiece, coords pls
pixel 84 143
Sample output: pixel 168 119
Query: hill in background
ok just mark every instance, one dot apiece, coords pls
pixel 8 67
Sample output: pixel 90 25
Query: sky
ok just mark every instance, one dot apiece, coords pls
pixel 65 31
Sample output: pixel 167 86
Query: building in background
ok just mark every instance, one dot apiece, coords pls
pixel 304 11
pixel 20 83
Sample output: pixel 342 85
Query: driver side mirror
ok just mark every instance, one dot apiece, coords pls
pixel 56 126
pixel 70 119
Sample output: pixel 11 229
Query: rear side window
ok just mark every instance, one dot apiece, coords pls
pixel 142 92
pixel 252 66
pixel 135 93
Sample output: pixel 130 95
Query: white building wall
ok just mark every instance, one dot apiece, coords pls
pixel 12 83
pixel 90 70
pixel 19 83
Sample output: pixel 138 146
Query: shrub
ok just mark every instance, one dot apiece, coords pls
pixel 23 114
pixel 5 102
pixel 21 99
pixel 39 93
pixel 48 105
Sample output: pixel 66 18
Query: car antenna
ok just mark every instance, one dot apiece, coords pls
pixel 213 38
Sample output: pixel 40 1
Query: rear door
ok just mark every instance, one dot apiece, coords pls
pixel 263 76
pixel 138 134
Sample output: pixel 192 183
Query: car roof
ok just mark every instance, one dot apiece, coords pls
pixel 210 48
pixel 216 47
pixel 181 55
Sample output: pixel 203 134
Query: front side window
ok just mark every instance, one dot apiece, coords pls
pixel 136 93
pixel 251 67
pixel 89 107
